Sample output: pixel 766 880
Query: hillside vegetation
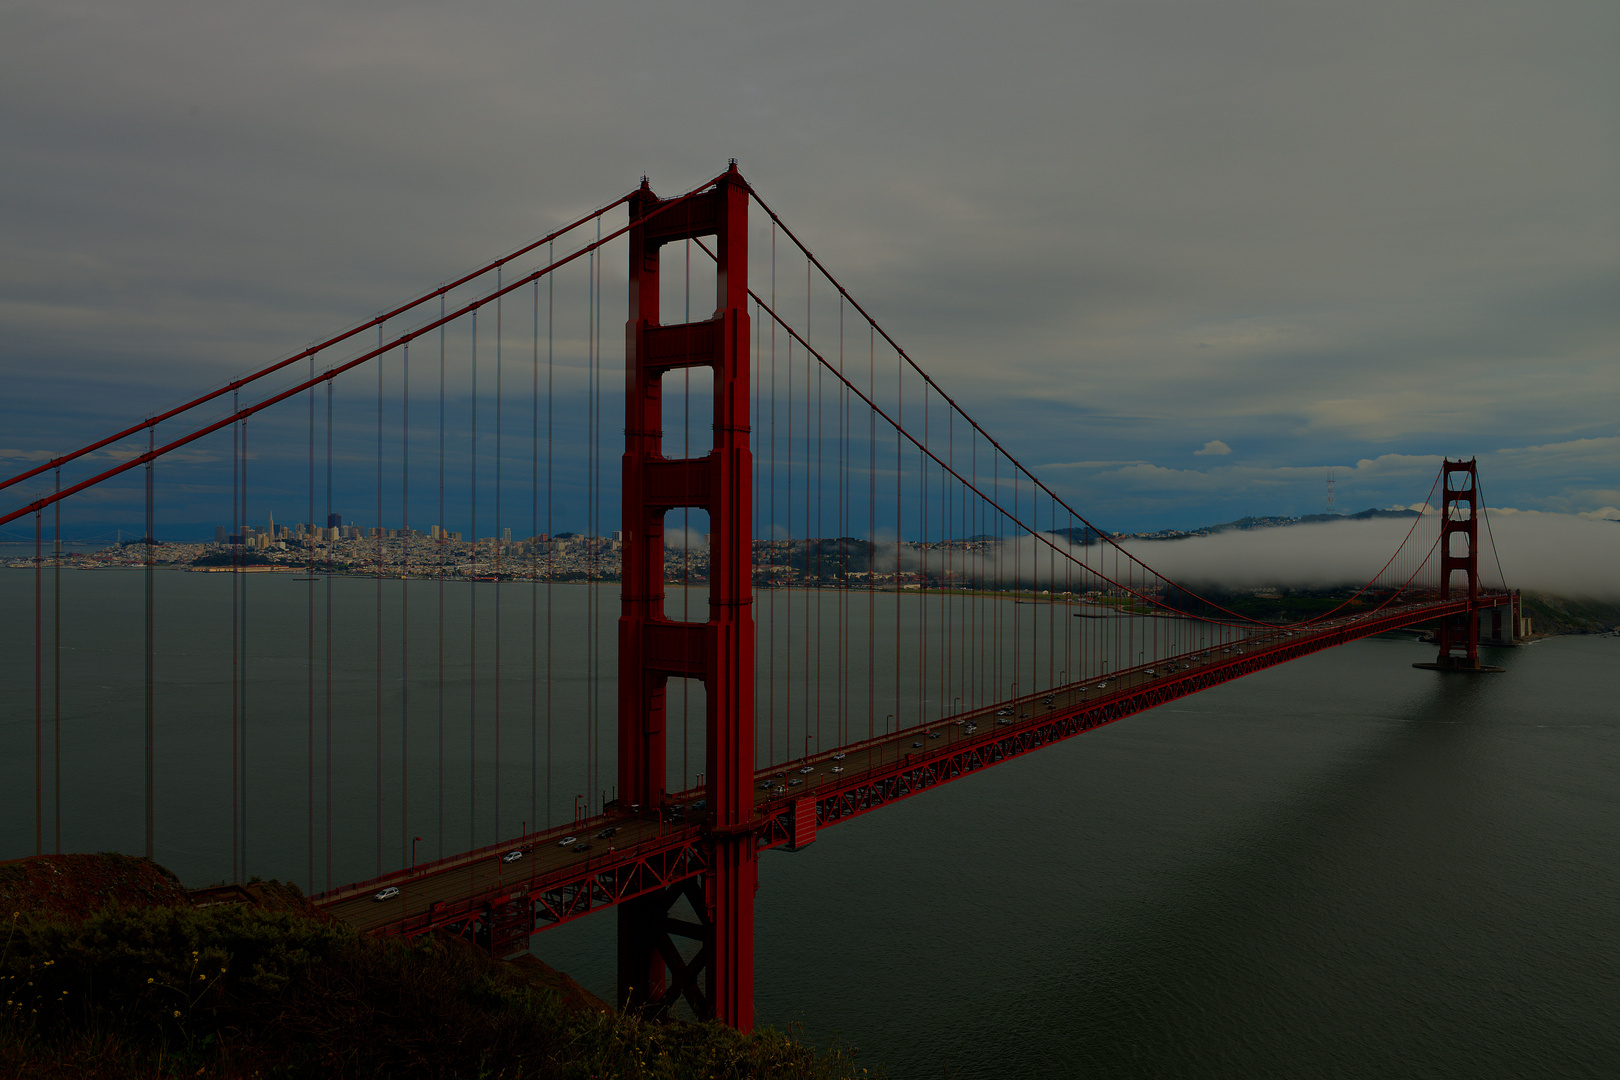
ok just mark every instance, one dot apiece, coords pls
pixel 143 984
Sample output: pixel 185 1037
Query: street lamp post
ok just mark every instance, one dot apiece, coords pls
pixel 414 841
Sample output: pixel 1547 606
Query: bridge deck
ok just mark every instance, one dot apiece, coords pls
pixel 650 847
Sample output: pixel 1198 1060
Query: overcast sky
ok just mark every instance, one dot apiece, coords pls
pixel 1186 257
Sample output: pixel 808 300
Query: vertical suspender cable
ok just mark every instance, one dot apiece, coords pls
pixel 596 521
pixel 243 578
pixel 593 516
pixel 309 660
pixel 899 503
pixel 377 572
pixel 39 686
pixel 686 518
pixel 759 502
pixel 812 536
pixel 534 572
pixel 56 669
pixel 843 531
pixel 331 566
pixel 439 549
pixel 404 601
pixel 236 539
pixel 551 544
pixel 472 609
pixel 500 546
pixel 787 597
pixel 770 519
pixel 151 446
pixel 590 518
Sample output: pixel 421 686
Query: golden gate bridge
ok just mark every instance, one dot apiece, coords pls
pixel 894 601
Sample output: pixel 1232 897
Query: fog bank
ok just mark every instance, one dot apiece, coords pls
pixel 1553 553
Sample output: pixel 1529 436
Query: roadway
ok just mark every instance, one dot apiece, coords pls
pixel 545 863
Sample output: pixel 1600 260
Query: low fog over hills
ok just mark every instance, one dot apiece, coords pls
pixel 1550 553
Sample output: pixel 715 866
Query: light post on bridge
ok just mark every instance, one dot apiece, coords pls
pixel 414 841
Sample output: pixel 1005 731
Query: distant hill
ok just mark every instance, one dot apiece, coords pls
pixel 1275 522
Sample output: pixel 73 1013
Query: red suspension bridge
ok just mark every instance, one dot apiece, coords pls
pixel 893 601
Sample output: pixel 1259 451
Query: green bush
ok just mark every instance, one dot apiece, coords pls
pixel 237 990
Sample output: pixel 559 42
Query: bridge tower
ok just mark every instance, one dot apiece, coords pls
pixel 720 652
pixel 1459 528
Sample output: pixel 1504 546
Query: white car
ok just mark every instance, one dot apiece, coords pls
pixel 387 894
pixel 808 769
pixel 840 756
pixel 512 856
pixel 837 768
pixel 568 841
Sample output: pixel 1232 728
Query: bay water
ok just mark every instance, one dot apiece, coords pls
pixel 1341 867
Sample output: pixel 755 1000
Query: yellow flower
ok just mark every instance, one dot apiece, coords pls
pixel 177 1014
pixel 149 980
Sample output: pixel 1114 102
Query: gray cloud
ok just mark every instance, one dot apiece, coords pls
pixel 1320 235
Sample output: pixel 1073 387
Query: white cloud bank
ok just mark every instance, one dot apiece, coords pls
pixel 1556 553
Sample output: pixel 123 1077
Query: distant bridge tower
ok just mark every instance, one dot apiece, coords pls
pixel 1459 551
pixel 653 648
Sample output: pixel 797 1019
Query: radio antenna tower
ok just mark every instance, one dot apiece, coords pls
pixel 1330 491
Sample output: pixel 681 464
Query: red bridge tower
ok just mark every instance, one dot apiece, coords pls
pixel 1459 551
pixel 720 652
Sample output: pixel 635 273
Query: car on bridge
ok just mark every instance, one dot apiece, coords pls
pixel 568 841
pixel 387 894
pixel 512 856
pixel 607 832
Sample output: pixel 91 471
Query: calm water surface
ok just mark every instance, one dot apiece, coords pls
pixel 1343 867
